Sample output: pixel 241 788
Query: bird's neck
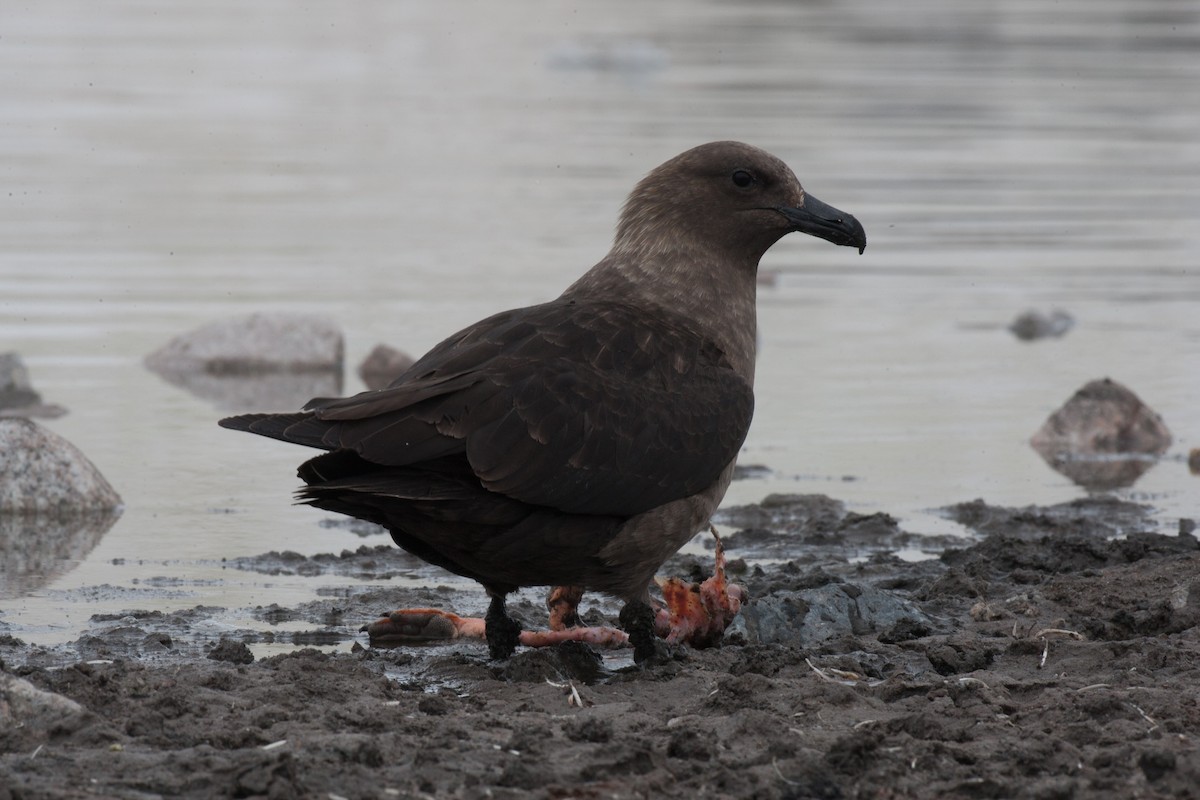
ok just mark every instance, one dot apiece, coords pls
pixel 718 302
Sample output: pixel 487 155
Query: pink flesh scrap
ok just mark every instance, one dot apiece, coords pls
pixel 694 614
pixel 698 615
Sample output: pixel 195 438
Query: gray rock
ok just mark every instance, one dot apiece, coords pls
pixel 1038 325
pixel 1104 417
pixel 17 396
pixel 383 365
pixel 1104 437
pixel 30 716
pixel 42 473
pixel 256 344
pixel 810 616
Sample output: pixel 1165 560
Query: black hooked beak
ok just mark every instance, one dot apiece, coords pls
pixel 819 219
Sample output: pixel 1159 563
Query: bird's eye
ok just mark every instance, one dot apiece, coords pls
pixel 742 179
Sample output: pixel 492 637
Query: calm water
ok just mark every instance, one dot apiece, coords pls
pixel 409 168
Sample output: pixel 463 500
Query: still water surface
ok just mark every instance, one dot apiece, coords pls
pixel 409 168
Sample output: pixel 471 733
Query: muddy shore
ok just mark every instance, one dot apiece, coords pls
pixel 1054 653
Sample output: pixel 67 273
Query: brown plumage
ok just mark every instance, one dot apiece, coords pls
pixel 581 441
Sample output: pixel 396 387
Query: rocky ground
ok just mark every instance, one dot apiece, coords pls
pixel 1055 654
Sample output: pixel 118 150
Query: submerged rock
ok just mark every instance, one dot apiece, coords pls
pixel 255 344
pixel 1104 437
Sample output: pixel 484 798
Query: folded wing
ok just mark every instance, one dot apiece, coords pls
pixel 588 408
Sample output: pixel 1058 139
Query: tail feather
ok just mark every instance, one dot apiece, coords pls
pixel 298 427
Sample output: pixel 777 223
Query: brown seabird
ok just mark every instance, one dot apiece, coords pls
pixel 582 441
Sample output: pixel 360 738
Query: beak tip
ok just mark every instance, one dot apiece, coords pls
pixel 819 219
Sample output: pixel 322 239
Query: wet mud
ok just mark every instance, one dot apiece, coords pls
pixel 1053 652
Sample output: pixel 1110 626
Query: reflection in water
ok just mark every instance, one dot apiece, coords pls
pixel 260 361
pixel 38 548
pixel 1098 473
pixel 274 391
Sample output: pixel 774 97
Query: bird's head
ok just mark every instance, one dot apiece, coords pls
pixel 727 197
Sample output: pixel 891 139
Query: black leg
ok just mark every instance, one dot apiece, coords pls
pixel 637 618
pixel 502 630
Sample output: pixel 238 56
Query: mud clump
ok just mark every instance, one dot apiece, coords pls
pixel 232 652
